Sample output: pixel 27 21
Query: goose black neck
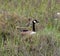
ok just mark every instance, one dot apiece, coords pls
pixel 33 26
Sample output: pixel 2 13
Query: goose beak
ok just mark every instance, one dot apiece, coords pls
pixel 37 21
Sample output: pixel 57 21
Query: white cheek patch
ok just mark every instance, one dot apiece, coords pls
pixel 34 21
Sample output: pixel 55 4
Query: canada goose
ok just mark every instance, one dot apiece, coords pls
pixel 27 32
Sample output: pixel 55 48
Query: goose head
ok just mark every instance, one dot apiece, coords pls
pixel 35 21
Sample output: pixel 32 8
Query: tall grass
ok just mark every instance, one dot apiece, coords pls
pixel 16 13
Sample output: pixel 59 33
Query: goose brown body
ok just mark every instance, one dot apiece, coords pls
pixel 27 32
